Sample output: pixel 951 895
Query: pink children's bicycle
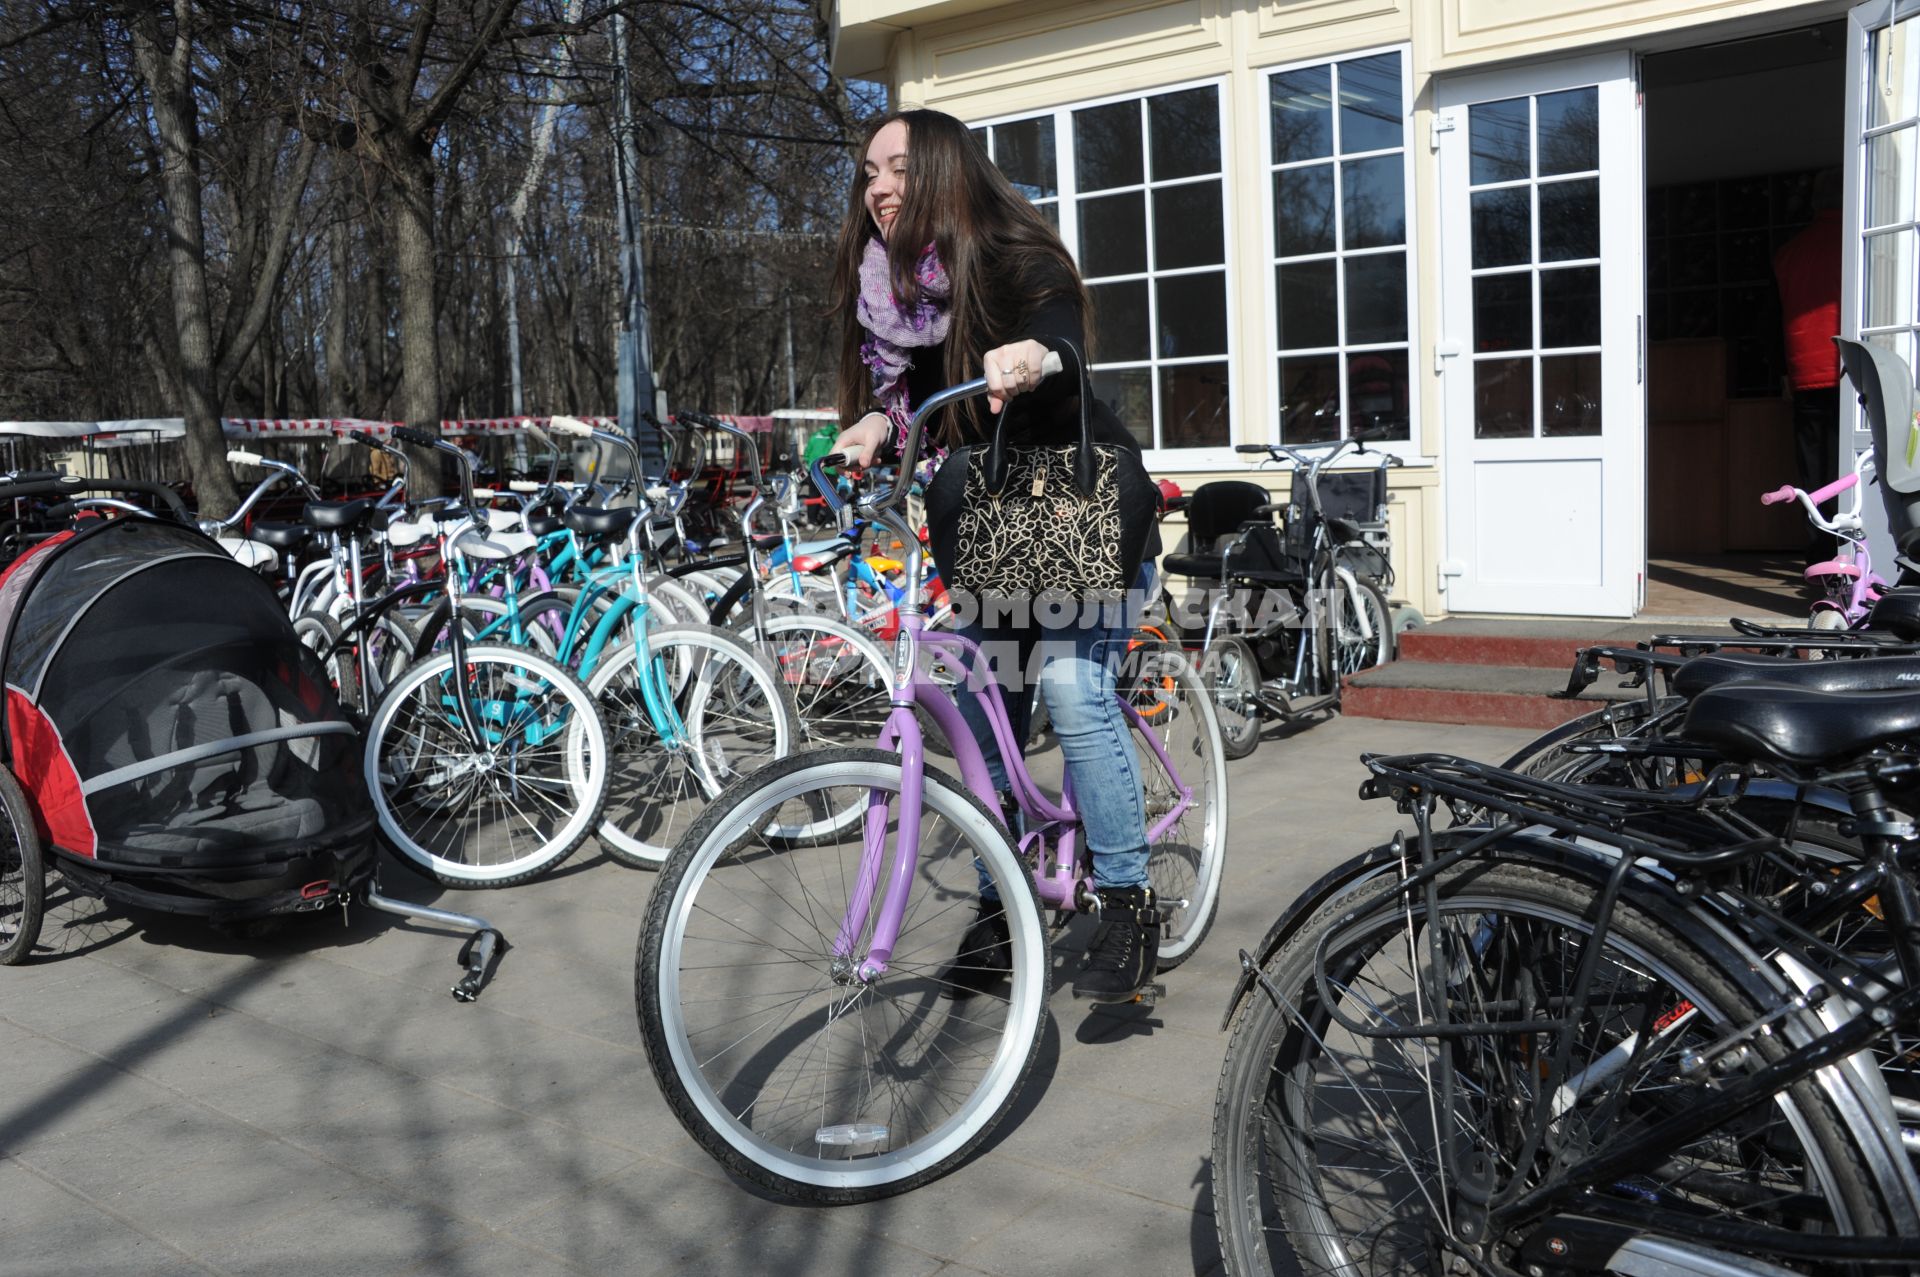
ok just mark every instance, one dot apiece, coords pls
pixel 1847 582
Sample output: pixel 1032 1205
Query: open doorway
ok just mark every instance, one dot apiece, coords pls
pixel 1736 136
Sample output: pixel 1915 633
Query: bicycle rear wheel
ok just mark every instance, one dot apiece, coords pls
pixel 775 1056
pixel 711 710
pixel 1326 1141
pixel 502 809
pixel 1186 862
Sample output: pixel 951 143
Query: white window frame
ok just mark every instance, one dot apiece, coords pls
pixel 1409 450
pixel 1163 460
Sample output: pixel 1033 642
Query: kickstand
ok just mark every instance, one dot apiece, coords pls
pixel 480 953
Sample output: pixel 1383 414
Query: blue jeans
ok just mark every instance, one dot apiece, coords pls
pixel 1077 669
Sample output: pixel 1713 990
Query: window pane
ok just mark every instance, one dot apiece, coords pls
pixel 1051 211
pixel 1024 152
pixel 1129 392
pixel 1377 394
pixel 1193 406
pixel 1503 312
pixel 1302 105
pixel 1185 131
pixel 1120 321
pixel 1889 279
pixel 1502 227
pixel 1307 314
pixel 1890 178
pixel 1501 150
pixel 1369 103
pixel 1187 229
pixel 980 136
pixel 1503 398
pixel 1309 399
pixel 1570 306
pixel 1373 202
pixel 1113 235
pixel 1569 131
pixel 1303 210
pixel 1570 219
pixel 1106 146
pixel 1895 72
pixel 1192 314
pixel 1570 395
pixel 1376 298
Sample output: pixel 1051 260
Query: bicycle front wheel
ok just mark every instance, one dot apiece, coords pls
pixel 1327 1140
pixel 787 1066
pixel 499 793
pixel 1186 861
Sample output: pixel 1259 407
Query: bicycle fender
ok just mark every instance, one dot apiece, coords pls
pixel 1656 896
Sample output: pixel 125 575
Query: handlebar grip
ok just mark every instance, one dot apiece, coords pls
pixel 363 438
pixel 1051 363
pixel 241 457
pixel 484 494
pixel 524 485
pixel 833 459
pixel 1777 495
pixel 571 426
pixel 1251 448
pixel 407 434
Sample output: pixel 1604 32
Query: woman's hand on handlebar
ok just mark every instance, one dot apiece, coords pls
pixel 860 441
pixel 1012 370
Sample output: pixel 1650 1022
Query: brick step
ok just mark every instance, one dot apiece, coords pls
pixel 1491 695
pixel 1538 645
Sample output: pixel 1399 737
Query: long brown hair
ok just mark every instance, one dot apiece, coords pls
pixel 1004 260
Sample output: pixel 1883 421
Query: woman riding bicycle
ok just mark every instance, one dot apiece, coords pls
pixel 943 272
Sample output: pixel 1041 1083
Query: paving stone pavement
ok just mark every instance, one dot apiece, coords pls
pixel 181 1102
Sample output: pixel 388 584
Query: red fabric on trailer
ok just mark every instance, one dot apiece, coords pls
pixel 47 774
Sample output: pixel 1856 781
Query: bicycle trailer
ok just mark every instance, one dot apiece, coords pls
pixel 178 746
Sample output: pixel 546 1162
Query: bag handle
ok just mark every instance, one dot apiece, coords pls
pixel 995 471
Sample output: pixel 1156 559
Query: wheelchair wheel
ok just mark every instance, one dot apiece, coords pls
pixel 23 876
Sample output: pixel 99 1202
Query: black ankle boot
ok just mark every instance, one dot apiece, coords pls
pixel 985 957
pixel 1124 949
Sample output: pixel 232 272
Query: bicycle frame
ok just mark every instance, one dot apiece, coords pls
pixel 1055 878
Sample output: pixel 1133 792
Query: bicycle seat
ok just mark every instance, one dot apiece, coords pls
pixel 1764 721
pixel 479 543
pixel 1730 669
pixel 281 536
pixel 1897 612
pixel 592 522
pixel 544 523
pixel 338 516
pixel 768 541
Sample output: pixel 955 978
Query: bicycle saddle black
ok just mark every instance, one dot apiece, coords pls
pixel 601 523
pixel 544 523
pixel 281 536
pixel 1728 669
pixel 337 516
pixel 1763 721
pixel 1897 612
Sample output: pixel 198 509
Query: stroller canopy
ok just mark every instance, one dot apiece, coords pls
pixel 161 714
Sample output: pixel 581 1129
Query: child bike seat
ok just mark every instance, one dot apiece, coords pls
pixel 281 536
pixel 1897 612
pixel 601 523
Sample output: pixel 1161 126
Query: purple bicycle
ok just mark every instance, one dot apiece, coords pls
pixel 796 994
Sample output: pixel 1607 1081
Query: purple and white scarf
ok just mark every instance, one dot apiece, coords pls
pixel 895 329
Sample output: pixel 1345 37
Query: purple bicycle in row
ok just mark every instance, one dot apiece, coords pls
pixel 795 994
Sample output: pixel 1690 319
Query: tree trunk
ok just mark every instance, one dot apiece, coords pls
pixel 338 383
pixel 413 260
pixel 169 83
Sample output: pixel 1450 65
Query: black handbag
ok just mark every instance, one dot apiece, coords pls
pixel 1021 522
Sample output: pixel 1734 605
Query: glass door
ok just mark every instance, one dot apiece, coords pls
pixel 1880 283
pixel 1541 360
